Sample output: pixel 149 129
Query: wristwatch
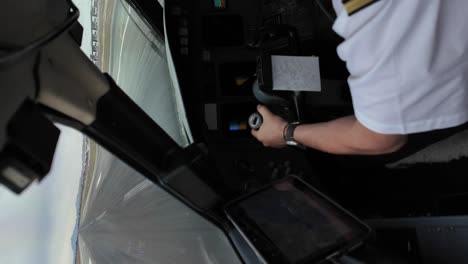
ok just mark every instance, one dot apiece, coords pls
pixel 288 134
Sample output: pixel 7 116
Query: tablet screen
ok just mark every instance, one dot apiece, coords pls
pixel 290 222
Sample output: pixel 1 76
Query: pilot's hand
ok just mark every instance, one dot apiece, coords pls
pixel 271 131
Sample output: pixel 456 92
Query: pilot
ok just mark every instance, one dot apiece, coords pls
pixel 408 64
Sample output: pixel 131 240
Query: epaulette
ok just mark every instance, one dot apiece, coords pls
pixel 354 6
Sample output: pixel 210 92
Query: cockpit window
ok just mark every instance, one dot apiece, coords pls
pixel 125 218
pixel 136 57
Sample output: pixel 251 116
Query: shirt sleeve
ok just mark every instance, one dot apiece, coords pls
pixel 408 64
pixel 367 51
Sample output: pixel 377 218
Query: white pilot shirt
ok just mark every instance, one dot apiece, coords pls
pixel 408 63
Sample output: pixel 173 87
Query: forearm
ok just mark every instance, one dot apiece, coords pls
pixel 347 136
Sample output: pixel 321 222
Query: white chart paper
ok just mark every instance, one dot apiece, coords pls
pixel 296 73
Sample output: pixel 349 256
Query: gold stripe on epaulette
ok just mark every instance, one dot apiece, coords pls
pixel 353 6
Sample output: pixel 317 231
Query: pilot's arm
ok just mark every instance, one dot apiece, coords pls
pixel 408 62
pixel 341 136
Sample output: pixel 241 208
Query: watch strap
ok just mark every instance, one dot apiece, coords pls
pixel 288 133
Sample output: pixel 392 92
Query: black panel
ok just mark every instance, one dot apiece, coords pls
pixel 223 30
pixel 30 147
pixel 235 78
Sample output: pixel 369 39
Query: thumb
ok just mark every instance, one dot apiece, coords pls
pixel 263 110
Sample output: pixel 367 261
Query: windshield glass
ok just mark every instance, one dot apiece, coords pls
pixel 124 217
pixel 135 56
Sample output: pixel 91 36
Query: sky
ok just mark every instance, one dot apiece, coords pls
pixel 37 226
